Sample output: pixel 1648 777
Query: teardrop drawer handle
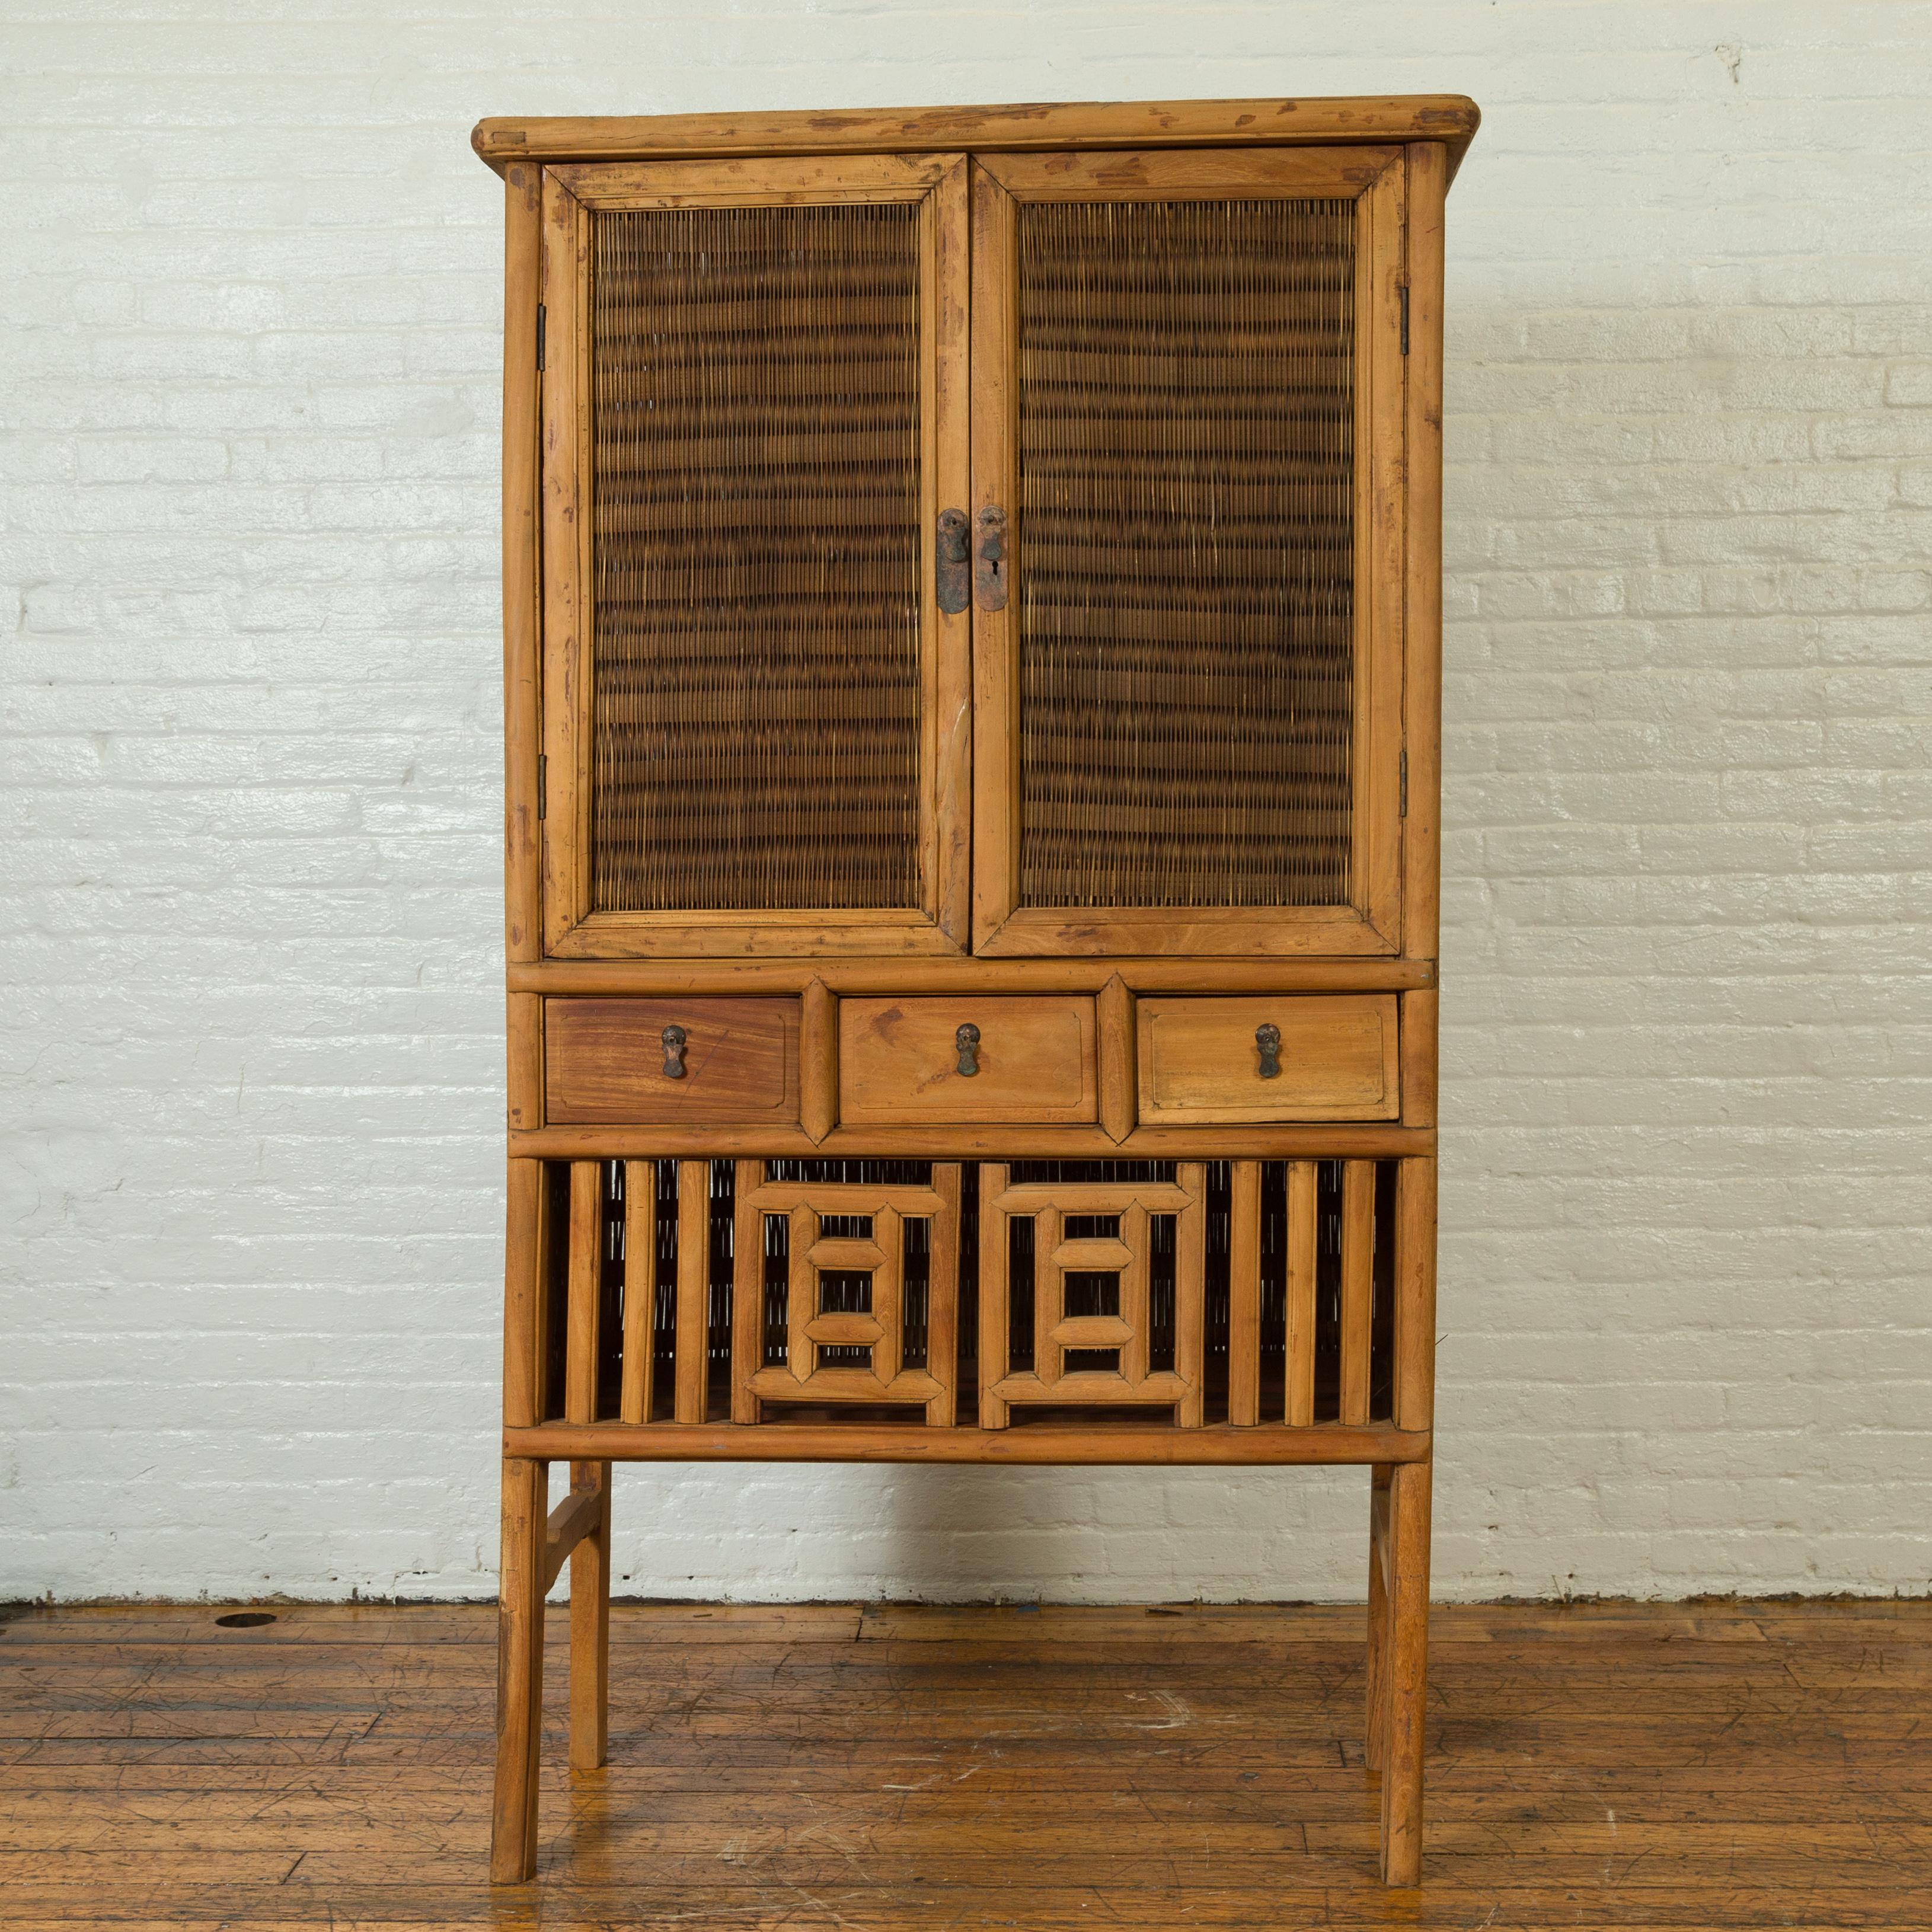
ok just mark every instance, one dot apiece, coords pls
pixel 966 1042
pixel 673 1038
pixel 1267 1041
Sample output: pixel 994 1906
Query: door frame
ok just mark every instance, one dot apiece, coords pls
pixel 571 196
pixel 1374 178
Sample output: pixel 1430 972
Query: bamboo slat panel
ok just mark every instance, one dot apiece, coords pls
pixel 755 437
pixel 1248 1292
pixel 1186 525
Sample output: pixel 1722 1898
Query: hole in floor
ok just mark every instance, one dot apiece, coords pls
pixel 246 1619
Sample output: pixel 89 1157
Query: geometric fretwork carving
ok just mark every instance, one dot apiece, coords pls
pixel 845 1327
pixel 1094 1329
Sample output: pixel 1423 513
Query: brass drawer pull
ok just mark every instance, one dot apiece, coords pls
pixel 966 1041
pixel 1267 1040
pixel 673 1038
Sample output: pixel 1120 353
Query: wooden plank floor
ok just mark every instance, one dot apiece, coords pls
pixel 832 1766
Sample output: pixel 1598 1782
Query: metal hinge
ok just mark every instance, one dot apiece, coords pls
pixel 543 781
pixel 541 317
pixel 1403 292
pixel 1402 767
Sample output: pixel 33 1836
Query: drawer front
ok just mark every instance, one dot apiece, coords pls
pixel 899 1061
pixel 604 1062
pixel 1201 1064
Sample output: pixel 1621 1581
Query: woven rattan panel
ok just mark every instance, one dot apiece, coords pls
pixel 756 676
pixel 1186 432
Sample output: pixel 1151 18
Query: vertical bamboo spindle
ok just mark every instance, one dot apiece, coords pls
pixel 1302 1231
pixel 1244 1293
pixel 993 1289
pixel 1190 1267
pixel 748 1291
pixel 694 1286
pixel 942 1296
pixel 1358 1257
pixel 640 1287
pixel 587 1255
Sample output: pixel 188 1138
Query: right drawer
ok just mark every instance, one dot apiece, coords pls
pixel 1205 1062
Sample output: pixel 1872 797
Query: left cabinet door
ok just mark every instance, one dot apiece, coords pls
pixel 756 715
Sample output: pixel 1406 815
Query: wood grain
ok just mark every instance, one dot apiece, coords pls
pixel 898 1061
pixel 849 976
pixel 590 1621
pixel 1244 1288
pixel 582 1329
pixel 640 1252
pixel 1303 1229
pixel 1405 1674
pixel 1243 174
pixel 1450 118
pixel 1199 1064
pixel 604 1062
pixel 520 1647
pixel 691 1365
pixel 565 618
pixel 1114 1442
pixel 522 1292
pixel 1358 1250
pixel 1429 167
pixel 1257 1140
pixel 1738 1765
pixel 522 907
pixel 1114 1014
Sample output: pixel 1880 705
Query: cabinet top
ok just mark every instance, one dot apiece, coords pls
pixel 1450 118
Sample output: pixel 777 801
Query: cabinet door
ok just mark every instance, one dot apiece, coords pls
pixel 1187 445
pixel 756 714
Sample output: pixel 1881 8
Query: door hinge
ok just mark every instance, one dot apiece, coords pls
pixel 1402 293
pixel 543 781
pixel 542 316
pixel 1402 769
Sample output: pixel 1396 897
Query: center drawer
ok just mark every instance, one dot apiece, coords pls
pixel 906 1061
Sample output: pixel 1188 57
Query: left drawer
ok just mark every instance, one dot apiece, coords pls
pixel 608 1062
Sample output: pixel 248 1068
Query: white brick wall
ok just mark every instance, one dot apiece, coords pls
pixel 252 1021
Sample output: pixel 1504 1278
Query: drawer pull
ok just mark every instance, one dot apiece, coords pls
pixel 1267 1040
pixel 673 1038
pixel 966 1041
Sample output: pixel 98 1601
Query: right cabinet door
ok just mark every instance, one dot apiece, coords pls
pixel 1188 373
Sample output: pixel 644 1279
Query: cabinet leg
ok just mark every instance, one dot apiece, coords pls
pixel 590 1626
pixel 1376 1740
pixel 513 1830
pixel 1405 1673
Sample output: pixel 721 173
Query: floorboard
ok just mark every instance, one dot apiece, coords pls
pixel 887 1766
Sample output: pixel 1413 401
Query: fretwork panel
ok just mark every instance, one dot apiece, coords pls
pixel 845 1327
pixel 1084 1353
pixel 1254 1292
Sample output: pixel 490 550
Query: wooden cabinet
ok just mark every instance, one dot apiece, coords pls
pixel 971 612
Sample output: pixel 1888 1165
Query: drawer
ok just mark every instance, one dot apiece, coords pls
pixel 1201 1065
pixel 899 1061
pixel 605 1061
